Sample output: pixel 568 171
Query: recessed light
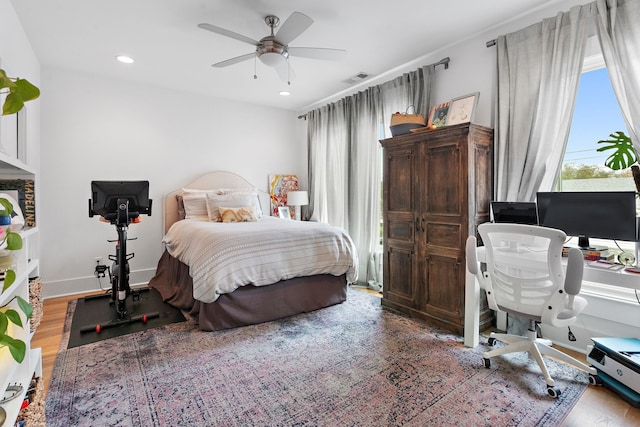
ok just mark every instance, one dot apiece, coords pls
pixel 285 93
pixel 124 59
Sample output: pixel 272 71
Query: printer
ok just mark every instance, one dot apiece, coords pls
pixel 617 361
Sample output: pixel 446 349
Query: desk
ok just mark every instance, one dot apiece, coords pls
pixel 472 293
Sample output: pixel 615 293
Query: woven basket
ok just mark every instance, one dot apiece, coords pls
pixel 402 123
pixel 35 299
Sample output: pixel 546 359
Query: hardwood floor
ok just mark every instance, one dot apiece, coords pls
pixel 49 333
pixel 598 406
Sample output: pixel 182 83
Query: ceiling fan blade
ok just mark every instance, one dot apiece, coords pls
pixel 295 25
pixel 234 60
pixel 228 33
pixel 317 53
pixel 285 72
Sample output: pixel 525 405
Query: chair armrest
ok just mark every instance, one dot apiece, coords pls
pixel 575 270
pixel 472 255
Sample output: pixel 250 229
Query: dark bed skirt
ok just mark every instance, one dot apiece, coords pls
pixel 249 304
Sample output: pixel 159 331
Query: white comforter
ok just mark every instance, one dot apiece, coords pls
pixel 224 256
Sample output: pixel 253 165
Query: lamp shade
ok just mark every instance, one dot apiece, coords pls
pixel 297 198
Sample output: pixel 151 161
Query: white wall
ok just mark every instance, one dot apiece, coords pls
pixel 18 60
pixel 603 317
pixel 471 68
pixel 101 129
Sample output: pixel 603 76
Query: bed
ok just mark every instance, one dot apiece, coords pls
pixel 231 274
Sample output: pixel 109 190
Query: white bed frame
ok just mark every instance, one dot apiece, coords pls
pixel 212 180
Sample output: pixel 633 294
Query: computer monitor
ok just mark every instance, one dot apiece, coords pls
pixel 515 212
pixel 105 195
pixel 599 214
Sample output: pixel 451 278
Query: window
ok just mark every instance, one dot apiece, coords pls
pixel 596 116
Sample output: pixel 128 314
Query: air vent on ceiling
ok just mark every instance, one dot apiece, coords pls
pixel 356 78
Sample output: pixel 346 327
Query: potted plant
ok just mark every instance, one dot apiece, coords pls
pixel 10 241
pixel 624 155
pixel 18 92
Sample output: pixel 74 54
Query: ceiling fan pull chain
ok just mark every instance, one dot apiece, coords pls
pixel 288 72
pixel 255 69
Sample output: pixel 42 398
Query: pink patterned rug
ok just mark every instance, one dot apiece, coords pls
pixel 353 364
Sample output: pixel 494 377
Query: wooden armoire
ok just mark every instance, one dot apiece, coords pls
pixel 436 190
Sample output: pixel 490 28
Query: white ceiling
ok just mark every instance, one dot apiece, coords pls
pixel 170 51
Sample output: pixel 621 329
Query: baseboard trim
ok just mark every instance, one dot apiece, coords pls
pixel 80 285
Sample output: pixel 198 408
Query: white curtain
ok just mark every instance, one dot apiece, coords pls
pixel 344 172
pixel 364 185
pixel 328 139
pixel 618 29
pixel 409 89
pixel 344 161
pixel 539 71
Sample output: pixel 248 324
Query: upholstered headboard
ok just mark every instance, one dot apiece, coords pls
pixel 212 180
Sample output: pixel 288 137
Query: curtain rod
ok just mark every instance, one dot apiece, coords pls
pixel 443 61
pixel 491 43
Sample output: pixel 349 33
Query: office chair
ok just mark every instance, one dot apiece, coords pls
pixel 524 277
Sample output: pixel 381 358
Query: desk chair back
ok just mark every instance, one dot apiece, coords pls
pixel 524 273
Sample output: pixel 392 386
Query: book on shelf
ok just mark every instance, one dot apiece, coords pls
pixel 25 189
pixel 591 254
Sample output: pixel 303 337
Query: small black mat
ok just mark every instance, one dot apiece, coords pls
pixel 94 310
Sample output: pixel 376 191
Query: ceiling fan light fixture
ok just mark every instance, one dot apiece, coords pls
pixel 271 59
pixel 285 93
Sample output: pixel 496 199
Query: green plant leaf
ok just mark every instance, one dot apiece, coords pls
pixel 26 308
pixel 9 278
pixel 4 323
pixel 12 104
pixel 14 317
pixel 26 90
pixel 5 82
pixel 7 207
pixel 17 348
pixel 14 241
pixel 624 155
pixel 20 91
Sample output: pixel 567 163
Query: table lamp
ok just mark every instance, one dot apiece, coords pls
pixel 297 199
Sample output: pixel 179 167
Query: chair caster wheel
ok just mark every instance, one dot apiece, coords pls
pixel 553 391
pixel 595 380
pixel 487 363
pixel 491 342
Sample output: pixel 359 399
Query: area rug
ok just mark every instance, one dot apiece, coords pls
pixel 353 364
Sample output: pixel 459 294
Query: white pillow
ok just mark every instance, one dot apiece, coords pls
pixel 195 206
pixel 255 203
pixel 230 199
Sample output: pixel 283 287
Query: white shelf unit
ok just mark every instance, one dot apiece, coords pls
pixel 27 265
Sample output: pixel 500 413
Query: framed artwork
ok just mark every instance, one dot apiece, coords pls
pixel 461 109
pixel 284 212
pixel 279 185
pixel 438 115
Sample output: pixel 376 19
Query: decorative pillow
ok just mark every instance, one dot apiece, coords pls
pixel 181 213
pixel 195 206
pixel 243 214
pixel 256 202
pixel 230 199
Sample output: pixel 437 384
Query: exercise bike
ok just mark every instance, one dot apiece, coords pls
pixel 120 203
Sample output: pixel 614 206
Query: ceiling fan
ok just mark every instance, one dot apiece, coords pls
pixel 274 50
